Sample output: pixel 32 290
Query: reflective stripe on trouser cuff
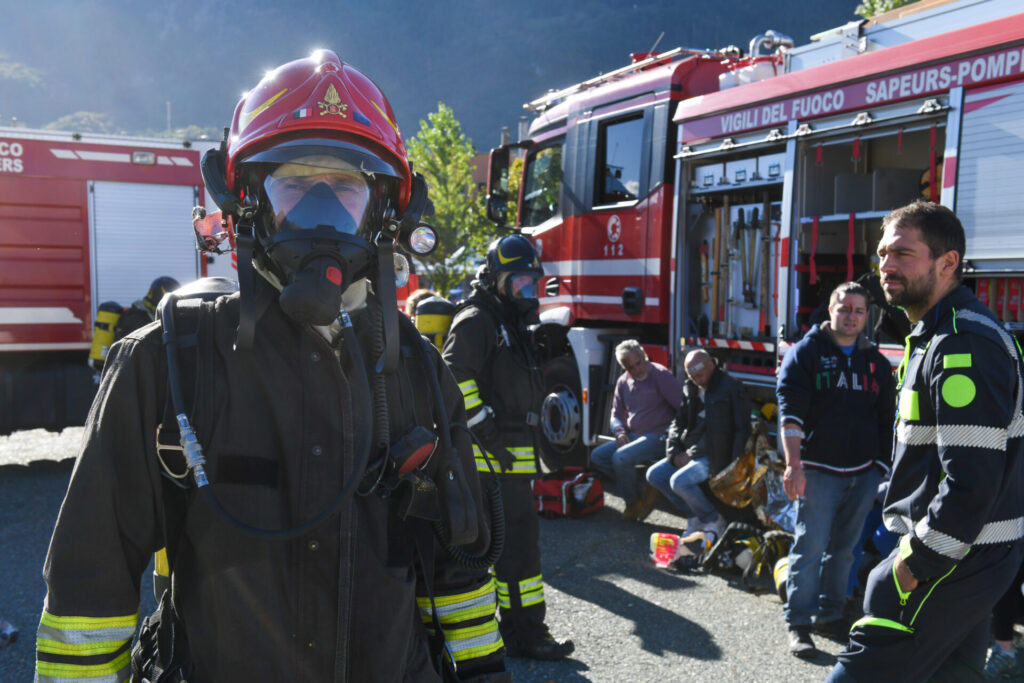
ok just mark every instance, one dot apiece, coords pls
pixel 460 607
pixel 884 623
pixel 525 462
pixel 1004 531
pixel 531 591
pixel 65 643
pixel 501 590
pixel 473 641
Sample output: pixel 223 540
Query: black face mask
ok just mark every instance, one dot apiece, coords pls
pixel 318 256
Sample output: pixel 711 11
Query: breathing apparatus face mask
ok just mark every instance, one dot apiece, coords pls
pixel 316 213
pixel 520 288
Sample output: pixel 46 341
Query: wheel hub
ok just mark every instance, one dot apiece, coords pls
pixel 560 418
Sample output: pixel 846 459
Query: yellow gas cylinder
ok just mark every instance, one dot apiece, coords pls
pixel 107 315
pixel 780 573
pixel 433 317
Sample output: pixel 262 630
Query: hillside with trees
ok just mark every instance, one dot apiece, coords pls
pixel 180 65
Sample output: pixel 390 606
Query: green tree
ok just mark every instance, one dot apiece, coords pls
pixel 515 180
pixel 869 8
pixel 444 155
pixel 16 71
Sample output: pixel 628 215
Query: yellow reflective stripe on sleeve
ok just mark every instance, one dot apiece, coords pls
pixel 470 393
pixel 956 360
pixel 884 623
pixel 474 641
pixel 84 637
pixel 460 607
pixel 56 647
pixel 90 623
pixel 47 672
pixel 909 409
pixel 525 462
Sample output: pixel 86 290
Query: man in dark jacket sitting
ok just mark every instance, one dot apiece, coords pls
pixel 707 435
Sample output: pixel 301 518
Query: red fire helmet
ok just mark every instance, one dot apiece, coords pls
pixel 317 98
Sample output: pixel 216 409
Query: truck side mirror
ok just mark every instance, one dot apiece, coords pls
pixel 497 187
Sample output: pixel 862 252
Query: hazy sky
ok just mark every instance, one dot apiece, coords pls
pixel 129 59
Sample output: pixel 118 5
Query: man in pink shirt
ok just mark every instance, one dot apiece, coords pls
pixel 647 397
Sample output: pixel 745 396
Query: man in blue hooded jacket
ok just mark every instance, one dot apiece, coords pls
pixel 835 400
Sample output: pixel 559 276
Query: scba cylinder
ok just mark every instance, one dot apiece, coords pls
pixel 433 317
pixel 107 315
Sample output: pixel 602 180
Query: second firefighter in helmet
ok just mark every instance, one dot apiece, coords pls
pixel 489 351
pixel 315 176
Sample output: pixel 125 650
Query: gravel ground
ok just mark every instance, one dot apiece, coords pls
pixel 630 621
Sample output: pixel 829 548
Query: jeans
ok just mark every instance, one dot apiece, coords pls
pixel 681 486
pixel 829 519
pixel 620 462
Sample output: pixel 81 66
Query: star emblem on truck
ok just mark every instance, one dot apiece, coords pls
pixel 331 103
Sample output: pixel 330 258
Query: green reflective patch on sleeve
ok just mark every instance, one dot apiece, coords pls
pixel 909 405
pixel 956 360
pixel 905 549
pixel 958 390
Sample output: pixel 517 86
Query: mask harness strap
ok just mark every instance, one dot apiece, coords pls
pixel 387 362
pixel 247 310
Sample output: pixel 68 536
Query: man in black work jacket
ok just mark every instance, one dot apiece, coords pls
pixel 488 350
pixel 956 491
pixel 298 561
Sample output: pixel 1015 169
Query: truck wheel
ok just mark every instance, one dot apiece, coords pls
pixel 561 416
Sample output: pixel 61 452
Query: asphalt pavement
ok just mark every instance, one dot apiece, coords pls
pixel 629 620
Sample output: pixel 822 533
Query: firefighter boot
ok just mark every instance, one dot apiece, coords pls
pixel 543 647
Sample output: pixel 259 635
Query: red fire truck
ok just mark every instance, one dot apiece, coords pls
pixel 714 200
pixel 84 219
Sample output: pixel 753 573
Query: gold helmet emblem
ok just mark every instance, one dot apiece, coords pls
pixel 331 104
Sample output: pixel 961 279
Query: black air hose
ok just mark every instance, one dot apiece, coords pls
pixel 193 450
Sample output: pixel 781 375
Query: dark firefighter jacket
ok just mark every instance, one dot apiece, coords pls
pixel 844 403
pixel 489 356
pixel 720 423
pixel 959 442
pixel 276 423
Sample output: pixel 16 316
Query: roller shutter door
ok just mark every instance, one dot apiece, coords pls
pixel 139 232
pixel 990 183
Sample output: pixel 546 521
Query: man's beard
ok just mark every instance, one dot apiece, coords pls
pixel 914 294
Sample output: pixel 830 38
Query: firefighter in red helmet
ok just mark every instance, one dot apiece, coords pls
pixel 321 514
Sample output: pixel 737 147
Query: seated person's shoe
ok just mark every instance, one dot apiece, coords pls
pixel 629 514
pixel 648 499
